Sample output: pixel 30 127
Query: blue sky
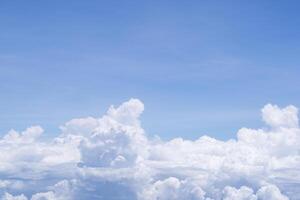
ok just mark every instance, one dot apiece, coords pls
pixel 200 67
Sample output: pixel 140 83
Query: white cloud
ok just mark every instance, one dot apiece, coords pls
pixel 60 191
pixel 276 117
pixel 112 158
pixel 172 188
pixel 8 196
pixel 245 193
pixel 270 192
pixel 27 136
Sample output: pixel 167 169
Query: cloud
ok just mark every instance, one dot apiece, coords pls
pixel 27 136
pixel 264 193
pixel 276 117
pixel 8 196
pixel 173 188
pixel 111 157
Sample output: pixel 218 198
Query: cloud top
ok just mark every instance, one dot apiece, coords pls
pixel 276 117
pixel 111 157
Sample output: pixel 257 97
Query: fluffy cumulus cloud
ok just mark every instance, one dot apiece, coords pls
pixel 112 158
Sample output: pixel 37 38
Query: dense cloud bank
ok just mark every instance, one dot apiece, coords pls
pixel 112 158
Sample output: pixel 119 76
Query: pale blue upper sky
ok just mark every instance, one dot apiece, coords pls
pixel 200 67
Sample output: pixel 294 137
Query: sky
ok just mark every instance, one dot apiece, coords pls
pixel 147 100
pixel 199 67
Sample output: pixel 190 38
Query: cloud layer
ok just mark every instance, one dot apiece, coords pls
pixel 112 158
